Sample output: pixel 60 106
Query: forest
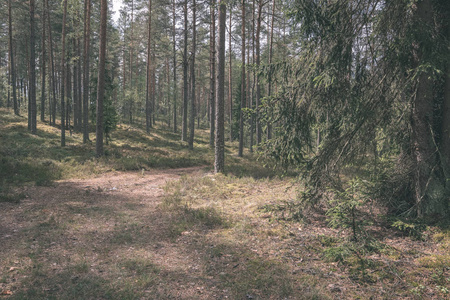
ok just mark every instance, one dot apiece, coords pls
pixel 211 149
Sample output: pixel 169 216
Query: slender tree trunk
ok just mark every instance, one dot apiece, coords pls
pixel 27 83
pixel 86 53
pixel 124 77
pixel 212 72
pixel 185 75
pixel 52 67
pixel 148 111
pixel 68 96
pixel 252 117
pixel 44 54
pixel 243 88
pixel 169 107
pixel 8 102
pixel 33 108
pixel 193 91
pixel 230 78
pixel 153 102
pixel 219 158
pixel 63 77
pixel 269 84
pixel 174 68
pixel 11 60
pixel 75 88
pixel 79 85
pixel 101 78
pixel 131 98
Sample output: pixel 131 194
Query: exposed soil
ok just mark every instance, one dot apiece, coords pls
pixel 109 238
pixel 117 224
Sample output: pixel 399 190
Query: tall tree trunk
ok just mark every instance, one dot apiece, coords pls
pixel 79 85
pixel 8 101
pixel 192 76
pixel 32 91
pixel 153 98
pixel 219 151
pixel 27 83
pixel 43 65
pixel 86 53
pixel 75 87
pixel 63 77
pixel 51 91
pixel 212 72
pixel 101 79
pixel 148 111
pixel 124 76
pixel 169 107
pixel 11 60
pixel 269 84
pixel 429 189
pixel 243 88
pixel 131 98
pixel 445 139
pixel 251 105
pixel 52 67
pixel 174 68
pixel 230 78
pixel 185 75
pixel 68 96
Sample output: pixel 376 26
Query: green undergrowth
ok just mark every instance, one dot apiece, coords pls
pixel 227 209
pixel 39 159
pixel 27 159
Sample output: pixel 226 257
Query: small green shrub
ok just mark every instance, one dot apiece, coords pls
pixel 345 205
pixel 336 254
pixel 411 229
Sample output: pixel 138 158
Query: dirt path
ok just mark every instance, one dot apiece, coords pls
pixel 111 237
pixel 96 237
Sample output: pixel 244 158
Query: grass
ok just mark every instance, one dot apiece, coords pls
pixel 107 234
pixel 260 217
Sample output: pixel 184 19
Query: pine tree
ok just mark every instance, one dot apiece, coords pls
pixel 219 161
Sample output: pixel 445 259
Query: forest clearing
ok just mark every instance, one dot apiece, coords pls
pixel 131 226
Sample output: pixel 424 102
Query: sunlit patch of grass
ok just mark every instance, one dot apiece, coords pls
pixel 435 261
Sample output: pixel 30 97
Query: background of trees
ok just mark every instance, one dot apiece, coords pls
pixel 316 85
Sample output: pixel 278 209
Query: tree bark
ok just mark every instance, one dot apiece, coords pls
pixel 185 75
pixel 192 76
pixel 86 53
pixel 44 54
pixel 63 77
pixel 445 130
pixel 269 84
pixel 32 91
pixel 251 96
pixel 75 88
pixel 428 188
pixel 219 151
pixel 101 79
pixel 230 78
pixel 149 67
pixel 11 60
pixel 174 68
pixel 79 85
pixel 243 86
pixel 131 98
pixel 212 72
pixel 52 104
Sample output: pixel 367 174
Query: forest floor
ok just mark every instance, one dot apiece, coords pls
pixel 130 229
